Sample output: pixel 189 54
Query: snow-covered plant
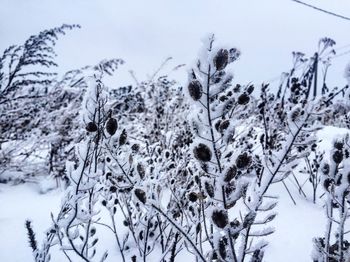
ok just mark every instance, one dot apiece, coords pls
pixel 302 86
pixel 25 76
pixel 312 166
pixel 335 172
pixel 201 216
pixel 61 115
pixel 161 135
pixel 238 163
pixel 40 127
pixel 165 170
pixel 73 229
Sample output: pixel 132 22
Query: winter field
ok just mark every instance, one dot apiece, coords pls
pixel 174 130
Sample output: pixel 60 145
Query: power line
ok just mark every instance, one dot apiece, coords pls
pixel 322 10
pixel 341 54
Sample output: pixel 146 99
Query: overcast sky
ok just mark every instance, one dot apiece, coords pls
pixel 144 33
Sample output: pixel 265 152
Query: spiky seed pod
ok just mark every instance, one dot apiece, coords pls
pixel 141 170
pixel 113 189
pixel 325 169
pixel 123 137
pixel 111 126
pixel 192 197
pixel 338 156
pixel 141 195
pixel 202 152
pixel 221 59
pixel 195 90
pixel 222 247
pixel 327 183
pixel 243 99
pixel 209 188
pixel 250 89
pixel 224 125
pixel 230 174
pixel 220 218
pixel 243 161
pixel 91 127
pixel 295 114
pixel 135 148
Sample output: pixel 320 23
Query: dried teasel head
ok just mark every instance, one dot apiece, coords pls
pixel 141 195
pixel 243 99
pixel 327 183
pixel 221 59
pixel 195 89
pixel 224 125
pixel 91 127
pixel 202 152
pixel 325 168
pixel 193 197
pixel 338 145
pixel 230 174
pixel 111 126
pixel 338 156
pixel 123 137
pixel 209 188
pixel 243 161
pixel 220 218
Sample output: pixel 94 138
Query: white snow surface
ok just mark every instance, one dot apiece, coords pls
pixel 18 203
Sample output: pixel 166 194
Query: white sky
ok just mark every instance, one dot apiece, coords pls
pixel 144 33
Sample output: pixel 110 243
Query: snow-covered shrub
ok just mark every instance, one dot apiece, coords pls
pixel 25 77
pixel 73 230
pixel 164 170
pixel 335 172
pixel 312 165
pixel 242 147
pixel 302 85
pixel 38 131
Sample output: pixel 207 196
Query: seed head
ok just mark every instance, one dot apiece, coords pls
pixel 220 218
pixel 243 99
pixel 141 195
pixel 243 161
pixel 192 197
pixel 195 90
pixel 91 127
pixel 338 156
pixel 111 126
pixel 221 59
pixel 202 152
pixel 230 174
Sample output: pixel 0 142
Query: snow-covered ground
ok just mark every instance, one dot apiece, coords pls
pixel 18 203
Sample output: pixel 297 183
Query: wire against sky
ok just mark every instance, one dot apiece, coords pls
pixel 322 10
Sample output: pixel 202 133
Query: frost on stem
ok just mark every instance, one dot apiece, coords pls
pixel 335 174
pixel 73 228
